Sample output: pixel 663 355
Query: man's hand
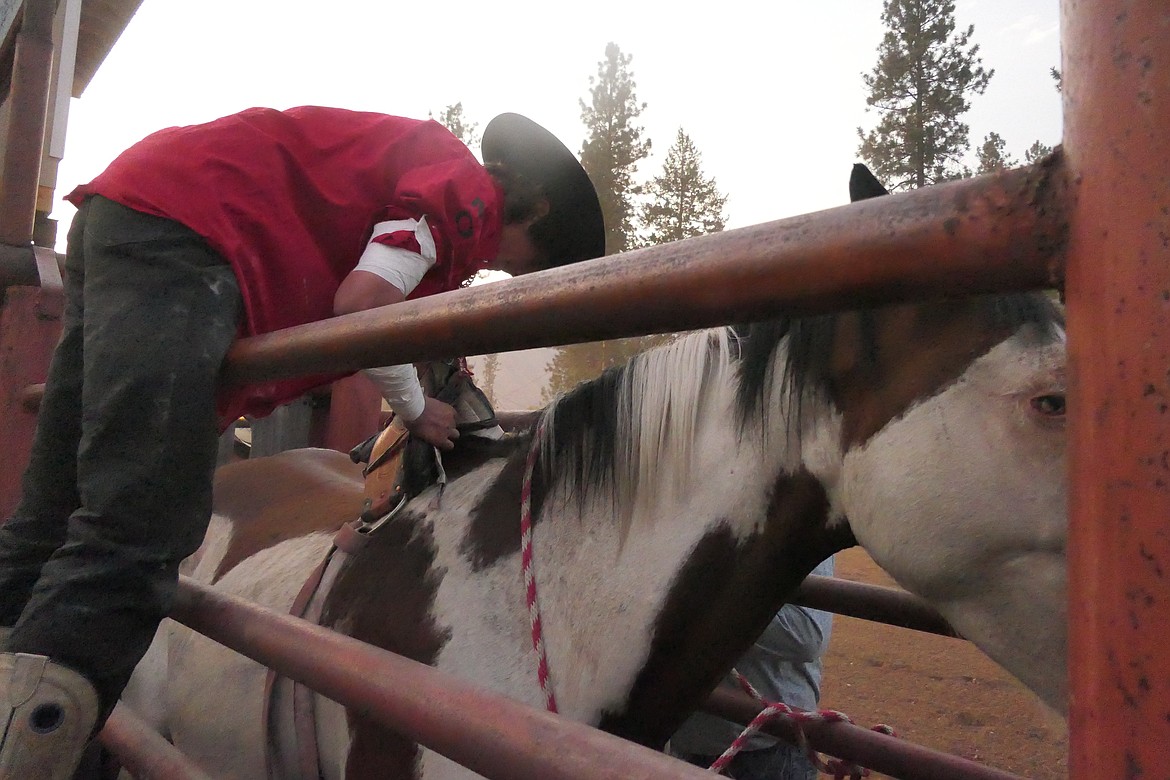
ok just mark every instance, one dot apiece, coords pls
pixel 436 425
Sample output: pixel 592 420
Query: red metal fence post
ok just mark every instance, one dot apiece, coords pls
pixel 1117 104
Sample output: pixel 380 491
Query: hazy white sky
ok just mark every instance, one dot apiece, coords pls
pixel 771 93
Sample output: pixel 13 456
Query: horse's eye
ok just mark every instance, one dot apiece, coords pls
pixel 1051 405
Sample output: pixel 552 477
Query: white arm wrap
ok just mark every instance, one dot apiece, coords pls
pixel 400 267
pixel 399 386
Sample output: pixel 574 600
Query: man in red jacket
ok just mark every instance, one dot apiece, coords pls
pixel 196 235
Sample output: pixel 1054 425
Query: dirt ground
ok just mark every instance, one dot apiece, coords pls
pixel 938 692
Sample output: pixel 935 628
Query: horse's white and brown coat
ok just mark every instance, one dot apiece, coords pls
pixel 681 498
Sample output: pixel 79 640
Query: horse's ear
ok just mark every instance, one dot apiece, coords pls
pixel 863 184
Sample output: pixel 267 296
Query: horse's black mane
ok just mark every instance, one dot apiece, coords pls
pixel 586 423
pixel 585 429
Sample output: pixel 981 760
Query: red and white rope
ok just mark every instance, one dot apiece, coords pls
pixel 836 767
pixel 542 671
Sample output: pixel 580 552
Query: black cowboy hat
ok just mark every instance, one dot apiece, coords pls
pixel 574 229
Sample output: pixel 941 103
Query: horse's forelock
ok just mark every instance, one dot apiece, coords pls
pixel 805 372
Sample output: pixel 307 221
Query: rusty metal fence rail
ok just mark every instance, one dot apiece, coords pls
pixel 143 752
pixel 490 734
pixel 891 606
pixel 254 632
pixel 517 742
pixel 992 234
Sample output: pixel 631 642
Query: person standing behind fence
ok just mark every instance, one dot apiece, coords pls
pixel 783 665
pixel 247 224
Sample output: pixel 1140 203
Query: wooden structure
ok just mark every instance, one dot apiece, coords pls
pixel 49 52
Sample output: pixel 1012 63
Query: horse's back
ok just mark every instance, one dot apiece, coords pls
pixel 273 519
pixel 281 497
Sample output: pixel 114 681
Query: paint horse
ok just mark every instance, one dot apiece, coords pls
pixel 677 500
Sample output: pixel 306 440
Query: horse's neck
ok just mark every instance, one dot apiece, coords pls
pixel 640 624
pixel 640 617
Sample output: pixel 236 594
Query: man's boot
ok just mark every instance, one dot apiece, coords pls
pixel 47 713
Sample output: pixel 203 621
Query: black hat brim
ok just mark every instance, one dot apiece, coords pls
pixel 574 227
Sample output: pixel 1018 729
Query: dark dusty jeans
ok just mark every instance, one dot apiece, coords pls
pixel 118 487
pixel 778 762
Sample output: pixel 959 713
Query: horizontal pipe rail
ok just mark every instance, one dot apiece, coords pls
pixel 439 711
pixel 888 755
pixel 143 752
pixel 31 395
pixel 994 233
pixel 513 420
pixel 490 734
pixel 891 606
pixel 18 266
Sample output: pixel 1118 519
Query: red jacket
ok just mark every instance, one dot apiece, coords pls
pixel 289 198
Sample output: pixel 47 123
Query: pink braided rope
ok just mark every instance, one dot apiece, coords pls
pixel 836 767
pixel 542 672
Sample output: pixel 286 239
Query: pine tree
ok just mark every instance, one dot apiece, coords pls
pixel 992 155
pixel 487 383
pixel 610 155
pixel 576 363
pixel 452 118
pixel 614 145
pixel 1036 151
pixel 683 203
pixel 920 85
